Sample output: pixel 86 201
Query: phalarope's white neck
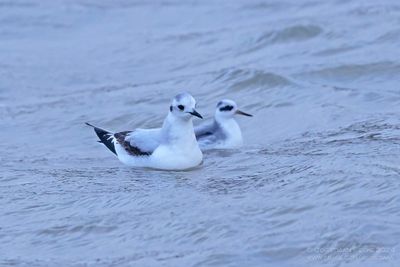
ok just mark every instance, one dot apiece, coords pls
pixel 231 130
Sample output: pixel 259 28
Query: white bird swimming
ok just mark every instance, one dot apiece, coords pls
pixel 223 132
pixel 172 147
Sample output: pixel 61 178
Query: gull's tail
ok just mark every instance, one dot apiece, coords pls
pixel 106 138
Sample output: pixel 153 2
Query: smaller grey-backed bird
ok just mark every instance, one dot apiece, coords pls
pixel 223 132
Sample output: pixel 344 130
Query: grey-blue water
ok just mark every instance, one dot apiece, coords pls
pixel 316 184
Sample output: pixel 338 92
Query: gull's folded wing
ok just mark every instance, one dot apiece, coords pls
pixel 146 141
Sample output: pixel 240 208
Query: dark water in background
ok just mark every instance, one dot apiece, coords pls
pixel 317 182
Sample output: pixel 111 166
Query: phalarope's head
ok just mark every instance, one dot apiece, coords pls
pixel 184 106
pixel 227 108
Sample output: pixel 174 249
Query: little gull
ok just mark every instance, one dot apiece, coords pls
pixel 223 132
pixel 171 147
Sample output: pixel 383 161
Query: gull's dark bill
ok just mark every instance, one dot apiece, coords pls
pixel 195 113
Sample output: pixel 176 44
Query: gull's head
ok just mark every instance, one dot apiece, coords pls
pixel 184 106
pixel 227 109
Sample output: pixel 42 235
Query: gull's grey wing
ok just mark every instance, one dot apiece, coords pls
pixel 140 141
pixel 133 150
pixel 136 143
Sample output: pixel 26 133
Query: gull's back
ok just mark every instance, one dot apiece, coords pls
pixel 135 148
pixel 146 140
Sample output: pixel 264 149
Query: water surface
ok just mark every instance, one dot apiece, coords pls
pixel 316 183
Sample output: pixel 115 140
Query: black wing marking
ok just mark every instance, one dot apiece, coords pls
pixel 132 150
pixel 106 138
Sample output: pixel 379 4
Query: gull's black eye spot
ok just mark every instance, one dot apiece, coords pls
pixel 181 107
pixel 226 108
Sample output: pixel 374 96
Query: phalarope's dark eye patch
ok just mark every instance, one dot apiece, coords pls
pixel 181 107
pixel 226 108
